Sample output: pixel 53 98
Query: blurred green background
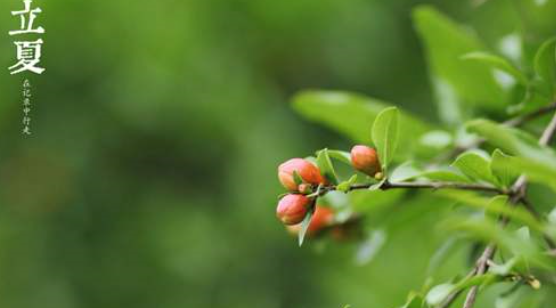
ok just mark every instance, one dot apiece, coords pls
pixel 150 177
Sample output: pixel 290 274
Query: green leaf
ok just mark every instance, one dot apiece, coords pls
pixel 458 84
pixel 353 115
pixel 475 167
pixel 503 269
pixel 385 135
pixel 511 140
pixel 500 166
pixel 545 63
pixel 436 139
pixel 404 172
pixel 496 62
pixel 488 230
pixel 305 225
pixel 552 216
pixel 326 168
pixel 539 171
pixel 341 156
pixel 377 186
pixel 446 176
pixel 524 233
pixel 497 205
pixel 345 185
pixel 439 293
pixel 409 171
pixel 538 163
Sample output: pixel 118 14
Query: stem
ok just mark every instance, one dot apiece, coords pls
pixel 386 185
pixel 518 121
pixel 519 190
pixel 548 132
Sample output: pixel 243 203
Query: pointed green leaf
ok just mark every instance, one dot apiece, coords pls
pixel 475 167
pixel 445 176
pixel 377 185
pixel 552 216
pixel 497 205
pixel 404 172
pixel 305 225
pixel 511 140
pixel 496 62
pixel 345 185
pixel 439 293
pixel 545 63
pixel 353 115
pixel 326 168
pixel 538 163
pixel 500 166
pixel 458 84
pixel 341 156
pixel 385 135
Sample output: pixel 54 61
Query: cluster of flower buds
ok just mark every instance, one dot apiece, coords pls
pixel 301 178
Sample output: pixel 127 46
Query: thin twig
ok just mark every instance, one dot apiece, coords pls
pixel 519 189
pixel 548 132
pixel 518 121
pixel 386 185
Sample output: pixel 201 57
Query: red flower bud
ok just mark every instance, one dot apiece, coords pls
pixel 292 209
pixel 322 218
pixel 365 159
pixel 306 170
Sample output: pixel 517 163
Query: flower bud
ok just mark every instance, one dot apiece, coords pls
pixel 365 159
pixel 308 172
pixel 292 209
pixel 322 218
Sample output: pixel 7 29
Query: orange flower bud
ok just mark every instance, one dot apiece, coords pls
pixel 365 159
pixel 322 218
pixel 292 209
pixel 306 170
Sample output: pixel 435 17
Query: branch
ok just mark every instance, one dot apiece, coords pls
pixel 548 132
pixel 518 121
pixel 519 190
pixel 386 185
